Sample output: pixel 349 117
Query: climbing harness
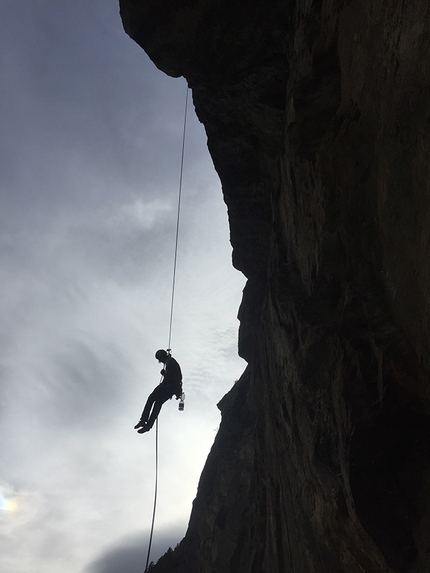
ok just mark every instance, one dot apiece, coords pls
pixel 172 300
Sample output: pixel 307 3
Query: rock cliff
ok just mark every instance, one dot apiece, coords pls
pixel 317 114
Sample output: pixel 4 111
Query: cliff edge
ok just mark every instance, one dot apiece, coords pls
pixel 317 115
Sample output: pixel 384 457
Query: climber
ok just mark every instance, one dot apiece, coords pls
pixel 169 386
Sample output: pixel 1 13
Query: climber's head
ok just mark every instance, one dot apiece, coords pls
pixel 161 356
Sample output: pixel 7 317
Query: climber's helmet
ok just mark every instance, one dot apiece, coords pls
pixel 161 356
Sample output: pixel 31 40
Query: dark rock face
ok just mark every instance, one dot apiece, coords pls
pixel 317 115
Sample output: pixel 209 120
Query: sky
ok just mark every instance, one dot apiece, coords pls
pixel 90 141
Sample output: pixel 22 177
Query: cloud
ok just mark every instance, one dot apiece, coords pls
pixel 90 154
pixel 130 554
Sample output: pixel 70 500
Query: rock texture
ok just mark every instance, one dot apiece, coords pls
pixel 317 115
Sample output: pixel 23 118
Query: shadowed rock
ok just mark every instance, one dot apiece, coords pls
pixel 317 118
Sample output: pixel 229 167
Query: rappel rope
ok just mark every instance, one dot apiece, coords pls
pixel 175 257
pixel 177 220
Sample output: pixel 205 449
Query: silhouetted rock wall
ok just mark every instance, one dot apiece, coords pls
pixel 317 115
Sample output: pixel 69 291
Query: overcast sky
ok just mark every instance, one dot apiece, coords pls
pixel 90 140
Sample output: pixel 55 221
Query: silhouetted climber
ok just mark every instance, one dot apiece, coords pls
pixel 170 385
